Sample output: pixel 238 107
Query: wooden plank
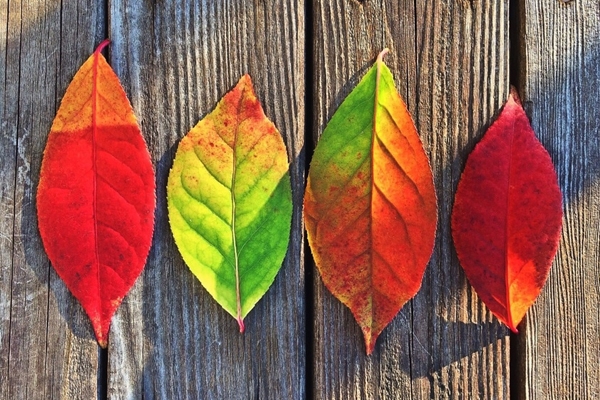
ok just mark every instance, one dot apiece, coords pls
pixel 8 150
pixel 450 62
pixel 170 339
pixel 559 346
pixel 47 348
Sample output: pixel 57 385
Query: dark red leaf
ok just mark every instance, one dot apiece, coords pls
pixel 507 216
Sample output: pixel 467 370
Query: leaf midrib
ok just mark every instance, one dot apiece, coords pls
pixel 233 213
pixel 506 226
pixel 95 170
pixel 373 186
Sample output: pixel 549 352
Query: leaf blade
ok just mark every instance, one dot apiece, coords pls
pixel 235 162
pixel 357 216
pixel 95 198
pixel 507 215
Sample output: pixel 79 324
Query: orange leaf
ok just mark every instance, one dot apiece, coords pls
pixel 95 198
pixel 370 205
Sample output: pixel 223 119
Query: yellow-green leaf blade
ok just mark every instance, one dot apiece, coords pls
pixel 229 200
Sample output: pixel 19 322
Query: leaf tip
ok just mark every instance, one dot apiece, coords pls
pixel 370 340
pixel 103 342
pixel 100 331
pixel 246 81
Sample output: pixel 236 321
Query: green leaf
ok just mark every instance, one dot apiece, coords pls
pixel 230 203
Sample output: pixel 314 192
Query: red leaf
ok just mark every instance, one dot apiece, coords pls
pixel 507 216
pixel 96 197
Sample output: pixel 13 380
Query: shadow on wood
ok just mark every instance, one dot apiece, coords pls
pixel 480 336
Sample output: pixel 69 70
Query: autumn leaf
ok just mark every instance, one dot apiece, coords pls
pixel 229 200
pixel 370 205
pixel 507 216
pixel 96 198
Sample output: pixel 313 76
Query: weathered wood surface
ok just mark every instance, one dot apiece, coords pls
pixel 170 339
pixel 560 84
pixel 46 342
pixel 450 63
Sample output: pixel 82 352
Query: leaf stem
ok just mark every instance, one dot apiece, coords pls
pixel 380 60
pixel 101 47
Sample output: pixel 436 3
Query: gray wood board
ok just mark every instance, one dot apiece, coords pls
pixel 47 347
pixel 559 347
pixel 450 62
pixel 170 339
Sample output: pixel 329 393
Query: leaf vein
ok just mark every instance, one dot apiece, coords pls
pixel 336 151
pixel 353 259
pixel 240 161
pixel 351 223
pixel 104 224
pixel 210 172
pixel 333 202
pixel 109 104
pixel 84 106
pixel 251 235
pixel 133 172
pixel 388 154
pixel 205 204
pixel 203 237
pixel 251 188
pixel 114 270
pixel 387 264
pixel 110 185
pixel 388 112
pixel 401 220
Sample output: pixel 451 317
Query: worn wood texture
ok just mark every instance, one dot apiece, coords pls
pixel 47 348
pixel 176 60
pixel 170 339
pixel 450 62
pixel 559 348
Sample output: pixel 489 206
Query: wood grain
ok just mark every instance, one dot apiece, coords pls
pixel 176 59
pixel 170 339
pixel 47 349
pixel 560 83
pixel 450 61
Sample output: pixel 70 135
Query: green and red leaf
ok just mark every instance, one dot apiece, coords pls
pixel 370 205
